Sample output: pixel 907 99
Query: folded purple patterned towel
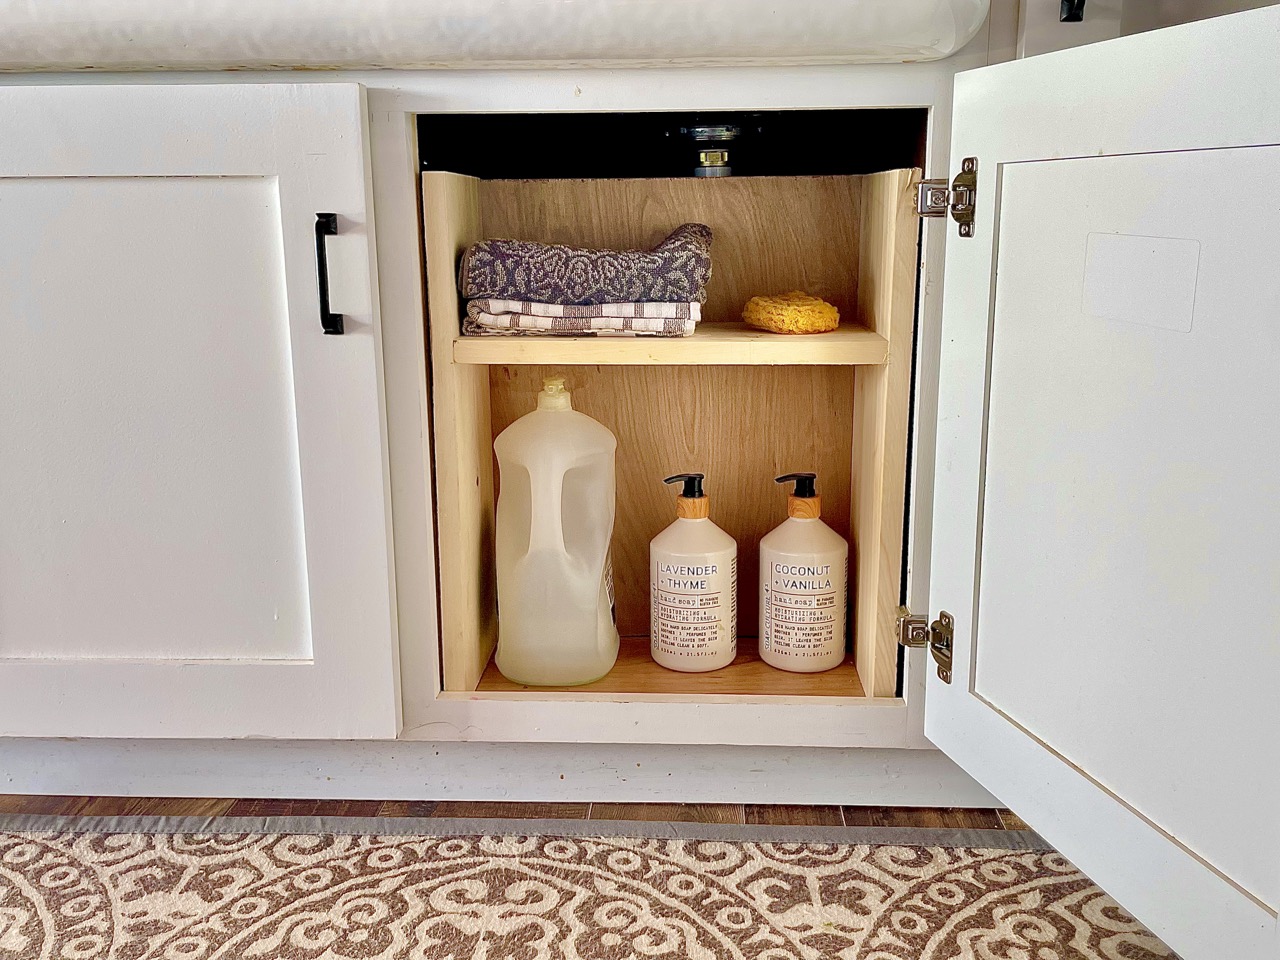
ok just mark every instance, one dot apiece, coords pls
pixel 676 270
pixel 487 317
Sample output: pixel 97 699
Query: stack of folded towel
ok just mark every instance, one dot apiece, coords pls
pixel 519 287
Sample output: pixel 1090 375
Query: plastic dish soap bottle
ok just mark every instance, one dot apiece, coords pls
pixel 554 524
pixel 693 587
pixel 804 570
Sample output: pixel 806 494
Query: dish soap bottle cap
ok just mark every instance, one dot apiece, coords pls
pixel 692 504
pixel 804 503
pixel 554 396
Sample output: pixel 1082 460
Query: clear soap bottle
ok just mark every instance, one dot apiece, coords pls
pixel 804 569
pixel 554 525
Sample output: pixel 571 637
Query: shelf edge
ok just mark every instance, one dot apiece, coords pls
pixel 856 347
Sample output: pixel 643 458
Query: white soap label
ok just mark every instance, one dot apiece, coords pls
pixel 694 613
pixel 803 616
pixel 1146 280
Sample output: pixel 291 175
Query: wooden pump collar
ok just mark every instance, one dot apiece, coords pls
pixel 804 508
pixel 693 508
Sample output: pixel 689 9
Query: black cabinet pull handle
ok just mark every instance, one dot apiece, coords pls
pixel 326 226
pixel 1072 11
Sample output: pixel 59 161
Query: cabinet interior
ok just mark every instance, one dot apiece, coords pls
pixel 740 406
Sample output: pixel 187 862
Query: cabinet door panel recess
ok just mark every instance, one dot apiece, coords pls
pixel 193 526
pixel 741 407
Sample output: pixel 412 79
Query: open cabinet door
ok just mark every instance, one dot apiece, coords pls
pixel 1107 528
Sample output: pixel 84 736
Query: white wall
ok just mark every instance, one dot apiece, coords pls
pixel 1039 30
pixel 1140 15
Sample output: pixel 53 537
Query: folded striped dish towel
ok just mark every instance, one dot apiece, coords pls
pixel 488 316
pixel 677 269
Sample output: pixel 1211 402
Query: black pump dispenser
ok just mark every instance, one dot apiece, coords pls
pixel 692 484
pixel 804 483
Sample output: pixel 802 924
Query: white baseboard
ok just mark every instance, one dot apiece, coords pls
pixel 485 771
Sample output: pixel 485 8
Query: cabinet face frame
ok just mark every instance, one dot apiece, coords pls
pixel 433 715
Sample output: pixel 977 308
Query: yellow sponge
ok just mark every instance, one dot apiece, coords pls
pixel 794 312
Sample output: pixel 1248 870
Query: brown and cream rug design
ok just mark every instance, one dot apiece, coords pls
pixel 192 890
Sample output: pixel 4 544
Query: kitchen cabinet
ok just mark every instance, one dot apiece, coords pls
pixel 194 540
pixel 1107 365
pixel 1092 508
pixel 1101 499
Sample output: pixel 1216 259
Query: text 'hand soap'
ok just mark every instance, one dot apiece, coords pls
pixel 804 567
pixel 693 587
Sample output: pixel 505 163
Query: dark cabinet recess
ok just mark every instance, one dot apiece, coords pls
pixel 788 143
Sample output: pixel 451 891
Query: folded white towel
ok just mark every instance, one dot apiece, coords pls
pixel 515 317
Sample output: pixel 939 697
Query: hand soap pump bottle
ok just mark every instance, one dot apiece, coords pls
pixel 693 587
pixel 554 526
pixel 804 567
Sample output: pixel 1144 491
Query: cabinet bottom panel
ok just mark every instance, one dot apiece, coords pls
pixel 546 772
pixel 748 676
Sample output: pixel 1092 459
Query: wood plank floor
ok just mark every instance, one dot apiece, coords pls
pixel 774 815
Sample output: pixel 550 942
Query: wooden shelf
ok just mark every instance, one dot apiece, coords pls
pixel 713 343
pixel 748 676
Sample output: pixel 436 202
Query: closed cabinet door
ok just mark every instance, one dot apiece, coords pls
pixel 194 529
pixel 1107 536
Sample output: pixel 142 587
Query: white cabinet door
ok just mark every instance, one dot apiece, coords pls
pixel 1107 528
pixel 193 505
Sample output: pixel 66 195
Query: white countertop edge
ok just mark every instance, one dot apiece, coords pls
pixel 139 35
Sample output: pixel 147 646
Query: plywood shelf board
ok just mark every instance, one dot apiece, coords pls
pixel 748 676
pixel 888 260
pixel 461 439
pixel 712 344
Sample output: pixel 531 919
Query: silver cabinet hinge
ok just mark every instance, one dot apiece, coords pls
pixel 935 199
pixel 916 631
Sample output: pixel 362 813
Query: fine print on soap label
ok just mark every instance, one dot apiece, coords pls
pixel 800 609
pixel 692 603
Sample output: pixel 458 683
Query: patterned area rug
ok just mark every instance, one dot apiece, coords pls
pixel 132 888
